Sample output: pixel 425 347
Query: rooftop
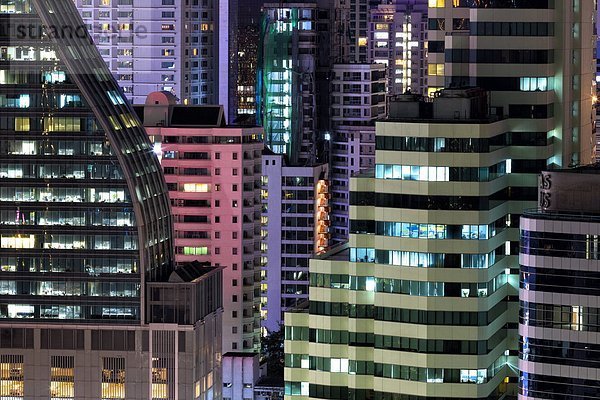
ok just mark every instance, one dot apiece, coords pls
pixel 449 106
pixel 161 109
pixel 591 169
pixel 536 213
pixel 191 272
pixel 239 354
pixel 270 381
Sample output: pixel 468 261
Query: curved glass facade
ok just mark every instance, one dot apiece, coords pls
pixel 558 313
pixel 84 212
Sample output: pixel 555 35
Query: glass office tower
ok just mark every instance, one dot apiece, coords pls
pixel 85 230
pixel 559 317
pixel 73 156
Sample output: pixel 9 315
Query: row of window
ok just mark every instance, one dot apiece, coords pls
pixel 127 241
pixel 511 84
pixel 55 147
pixel 399 343
pixel 428 231
pixel 575 318
pixel 427 202
pixel 557 387
pixel 552 280
pixel 27 53
pixel 49 311
pixel 422 260
pixel 512 28
pixel 64 194
pixel 23 77
pixel 463 145
pixel 43 217
pixel 31 100
pixel 525 4
pixel 441 174
pixel 69 263
pixel 499 56
pixel 60 171
pixel 346 393
pixel 62 377
pixel 70 288
pixel 586 355
pixel 412 288
pixel 183 139
pixel 404 372
pixel 51 124
pixel 409 316
pixel 560 245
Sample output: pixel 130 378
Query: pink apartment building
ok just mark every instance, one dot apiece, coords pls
pixel 213 172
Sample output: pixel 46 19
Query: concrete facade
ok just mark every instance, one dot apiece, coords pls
pixel 397 39
pixel 213 176
pixel 188 49
pixel 358 99
pixel 240 374
pixel 295 227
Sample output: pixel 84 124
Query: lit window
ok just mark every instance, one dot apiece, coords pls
pixel 195 251
pixel 160 385
pixel 11 376
pixel 22 124
pixel 115 97
pixel 62 377
pixel 17 242
pixel 113 378
pixel 196 187
pixel 535 84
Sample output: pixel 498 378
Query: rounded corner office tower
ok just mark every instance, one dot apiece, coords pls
pixel 559 317
pixel 91 304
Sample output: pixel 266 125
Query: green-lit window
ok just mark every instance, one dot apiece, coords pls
pixel 22 124
pixel 195 251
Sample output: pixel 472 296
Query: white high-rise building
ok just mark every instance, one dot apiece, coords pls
pixel 397 39
pixel 295 228
pixel 186 48
pixel 358 99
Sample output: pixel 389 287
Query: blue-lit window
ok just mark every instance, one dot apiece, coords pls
pixel 115 97
pixel 362 255
pixel 535 84
pixel 70 101
pixel 15 101
pixel 55 77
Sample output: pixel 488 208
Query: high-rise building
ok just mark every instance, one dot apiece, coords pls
pixel 398 39
pixel 213 174
pixel 92 304
pixel 293 67
pixel 535 57
pixel 186 48
pixel 423 302
pixel 358 99
pixel 559 297
pixel 415 304
pixel 353 20
pixel 249 25
pixel 239 375
pixel 596 105
pixel 295 227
